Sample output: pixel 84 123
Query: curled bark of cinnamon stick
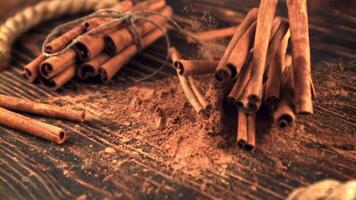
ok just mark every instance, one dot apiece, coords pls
pixel 213 34
pixel 241 50
pixel 91 68
pixel 57 64
pixel 199 95
pixel 241 129
pixel 60 79
pixel 236 92
pixel 192 99
pixel 277 52
pixel 223 72
pixel 114 64
pixel 31 70
pixel 298 19
pixel 31 126
pixel 119 40
pixel 32 107
pixel 63 40
pixel 195 67
pixel 284 116
pixel 253 90
pixel 251 132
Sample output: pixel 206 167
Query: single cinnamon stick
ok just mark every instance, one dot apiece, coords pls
pixel 114 64
pixel 31 70
pixel 251 132
pixel 241 50
pixel 174 55
pixel 32 107
pixel 223 71
pixel 238 88
pixel 57 64
pixel 278 49
pixel 192 99
pixel 91 68
pixel 284 115
pixel 119 40
pixel 60 79
pixel 265 17
pixel 298 19
pixel 31 126
pixel 60 42
pixel 241 129
pixel 195 67
pixel 213 34
pixel 198 94
pixel 90 24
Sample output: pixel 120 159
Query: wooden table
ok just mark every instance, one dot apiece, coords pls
pixel 31 168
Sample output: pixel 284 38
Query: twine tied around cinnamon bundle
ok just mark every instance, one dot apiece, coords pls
pixel 117 18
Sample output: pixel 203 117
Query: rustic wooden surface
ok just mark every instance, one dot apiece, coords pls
pixel 31 168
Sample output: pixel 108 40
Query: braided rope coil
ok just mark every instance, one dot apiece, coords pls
pixel 31 16
pixel 327 190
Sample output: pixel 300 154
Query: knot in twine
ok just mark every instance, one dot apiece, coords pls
pixel 117 18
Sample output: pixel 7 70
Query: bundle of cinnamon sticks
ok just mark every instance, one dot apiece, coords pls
pixel 9 105
pixel 101 54
pixel 264 74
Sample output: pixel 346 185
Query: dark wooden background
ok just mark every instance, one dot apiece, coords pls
pixel 31 168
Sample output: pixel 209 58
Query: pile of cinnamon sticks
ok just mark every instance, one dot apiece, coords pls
pixel 264 74
pixel 9 105
pixel 101 54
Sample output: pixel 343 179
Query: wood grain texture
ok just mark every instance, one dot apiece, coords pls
pixel 31 168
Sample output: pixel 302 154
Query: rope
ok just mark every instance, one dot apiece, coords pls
pixel 326 190
pixel 31 16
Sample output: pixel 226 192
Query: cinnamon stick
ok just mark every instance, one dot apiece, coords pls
pixel 277 52
pixel 199 95
pixel 119 40
pixel 90 24
pixel 60 79
pixel 251 132
pixel 31 126
pixel 238 88
pixel 91 68
pixel 195 67
pixel 241 129
pixel 284 115
pixel 31 70
pixel 213 34
pixel 223 71
pixel 241 50
pixel 253 90
pixel 57 64
pixel 113 65
pixel 192 99
pixel 32 107
pixel 298 19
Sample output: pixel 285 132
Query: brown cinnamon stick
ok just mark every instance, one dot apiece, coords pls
pixel 241 50
pixel 90 24
pixel 253 90
pixel 195 67
pixel 192 98
pixel 284 115
pixel 198 94
pixel 119 40
pixel 31 126
pixel 32 107
pixel 223 71
pixel 277 51
pixel 60 79
pixel 251 132
pixel 57 64
pixel 91 68
pixel 213 34
pixel 112 66
pixel 31 70
pixel 241 129
pixel 298 19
